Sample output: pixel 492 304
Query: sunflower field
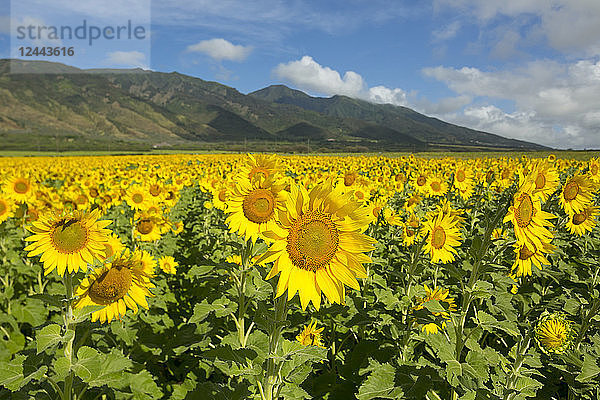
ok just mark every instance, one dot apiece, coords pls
pixel 299 277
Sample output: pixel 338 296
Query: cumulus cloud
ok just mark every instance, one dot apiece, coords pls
pixel 134 59
pixel 220 49
pixel 555 104
pixel 307 74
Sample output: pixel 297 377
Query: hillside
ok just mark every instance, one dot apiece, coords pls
pixel 142 109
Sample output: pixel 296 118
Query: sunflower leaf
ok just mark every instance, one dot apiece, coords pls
pixel 11 373
pixel 47 337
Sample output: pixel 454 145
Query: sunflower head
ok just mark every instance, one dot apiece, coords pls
pixel 554 334
pixel 311 336
pixel 69 241
pixel 118 285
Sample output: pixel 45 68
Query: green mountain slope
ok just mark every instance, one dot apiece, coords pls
pixel 145 108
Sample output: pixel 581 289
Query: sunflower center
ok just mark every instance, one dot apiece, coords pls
pixel 21 187
pixel 594 169
pixel 111 286
pixel 3 207
pixel 540 181
pixel 525 253
pixel 421 180
pixel 349 179
pixel 438 237
pixel 524 212
pixel 571 191
pixel 223 195
pixel 435 186
pixel 69 236
pixel 579 218
pixel 94 192
pixel 137 198
pixel 154 190
pixel 259 206
pixel 376 211
pixel 145 226
pixel 313 240
pixel 460 175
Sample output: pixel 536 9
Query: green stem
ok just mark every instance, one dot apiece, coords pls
pixel 271 381
pixel 68 318
pixel 468 291
pixel 511 382
pixel 246 255
pixel 587 321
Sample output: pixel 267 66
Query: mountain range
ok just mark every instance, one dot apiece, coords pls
pixel 66 108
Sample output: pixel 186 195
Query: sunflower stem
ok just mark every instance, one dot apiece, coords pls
pixel 514 375
pixel 246 254
pixel 586 321
pixel 68 318
pixel 271 381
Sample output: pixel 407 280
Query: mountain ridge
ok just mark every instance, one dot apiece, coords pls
pixel 143 108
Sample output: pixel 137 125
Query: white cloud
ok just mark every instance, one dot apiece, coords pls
pixel 555 104
pixel 569 26
pixel 134 59
pixel 309 75
pixel 447 32
pixel 221 49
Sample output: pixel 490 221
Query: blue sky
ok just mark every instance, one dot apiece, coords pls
pixel 526 69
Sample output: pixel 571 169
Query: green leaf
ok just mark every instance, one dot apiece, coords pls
pixel 11 373
pixel 98 369
pixel 589 369
pixel 51 299
pixel 434 306
pixel 48 336
pixel 380 383
pixel 143 386
pixel 62 367
pixel 292 391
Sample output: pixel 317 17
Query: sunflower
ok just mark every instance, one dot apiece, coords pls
pixel 554 334
pixel 113 246
pixel 444 236
pixel 19 188
pixel 594 170
pixel 147 227
pixel 583 222
pixel 577 193
pixel 168 264
pixel 527 255
pixel 419 181
pixel 544 179
pixel 529 221
pixel 441 296
pixel 412 202
pixel 121 284
pixel 259 167
pixel 138 198
pixel 7 208
pixel 68 241
pixel 464 178
pixel 390 216
pixel 311 336
pixel 411 230
pixel 437 186
pixel 252 207
pixel 318 245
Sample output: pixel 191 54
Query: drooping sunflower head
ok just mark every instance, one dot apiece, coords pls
pixel 121 284
pixel 310 335
pixel 528 255
pixel 69 241
pixel 318 245
pixel 584 221
pixel 554 333
pixel 424 316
